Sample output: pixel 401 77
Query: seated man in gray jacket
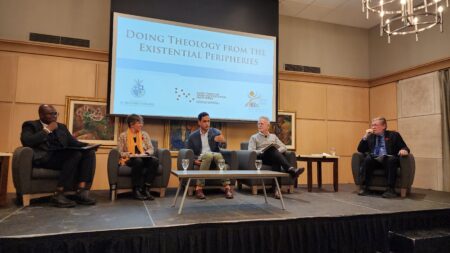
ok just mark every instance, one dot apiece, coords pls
pixel 270 150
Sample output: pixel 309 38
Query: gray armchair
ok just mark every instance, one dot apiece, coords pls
pixel 33 182
pixel 405 174
pixel 247 162
pixel 231 161
pixel 120 176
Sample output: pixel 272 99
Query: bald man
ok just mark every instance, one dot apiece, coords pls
pixel 49 141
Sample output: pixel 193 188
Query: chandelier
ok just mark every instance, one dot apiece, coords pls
pixel 401 17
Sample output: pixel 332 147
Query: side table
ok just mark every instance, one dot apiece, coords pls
pixel 5 158
pixel 319 159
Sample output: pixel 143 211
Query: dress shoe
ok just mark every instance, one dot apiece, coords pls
pixel 295 172
pixel 390 193
pixel 138 194
pixel 199 194
pixel 277 194
pixel 147 194
pixel 82 197
pixel 228 193
pixel 363 192
pixel 59 200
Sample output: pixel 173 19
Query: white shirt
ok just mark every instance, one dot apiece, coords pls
pixel 205 143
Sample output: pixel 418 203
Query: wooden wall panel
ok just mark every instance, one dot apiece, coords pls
pixel 101 172
pixel 344 136
pixel 383 101
pixel 49 80
pixel 102 80
pixel 306 99
pixel 392 125
pixel 239 132
pixel 8 76
pixel 6 115
pixel 347 103
pixel 311 136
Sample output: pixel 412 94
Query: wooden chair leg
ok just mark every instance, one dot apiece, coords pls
pixel 254 190
pixel 291 189
pixel 112 192
pixel 26 199
pixel 403 192
pixel 162 192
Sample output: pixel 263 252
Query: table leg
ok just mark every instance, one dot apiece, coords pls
pixel 319 174
pixel 309 176
pixel 178 192
pixel 335 175
pixel 264 190
pixel 279 191
pixel 184 195
pixel 4 164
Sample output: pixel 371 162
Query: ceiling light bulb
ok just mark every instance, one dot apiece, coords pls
pixel 440 9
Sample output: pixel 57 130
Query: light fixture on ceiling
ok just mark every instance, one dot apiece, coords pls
pixel 401 17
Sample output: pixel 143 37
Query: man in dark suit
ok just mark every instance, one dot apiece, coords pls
pixel 206 142
pixel 383 148
pixel 49 141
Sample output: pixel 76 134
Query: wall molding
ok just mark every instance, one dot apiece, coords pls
pixel 411 72
pixel 53 50
pixel 323 79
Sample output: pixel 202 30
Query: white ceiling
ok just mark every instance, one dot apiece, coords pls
pixel 342 12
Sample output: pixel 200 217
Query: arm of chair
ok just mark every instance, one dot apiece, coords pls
pixel 185 154
pixel 166 162
pixel 407 170
pixel 231 158
pixel 357 159
pixel 22 166
pixel 113 165
pixel 246 159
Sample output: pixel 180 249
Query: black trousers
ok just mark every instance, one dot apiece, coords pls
pixel 143 170
pixel 274 158
pixel 75 165
pixel 387 163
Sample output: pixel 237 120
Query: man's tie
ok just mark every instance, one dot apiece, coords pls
pixel 378 145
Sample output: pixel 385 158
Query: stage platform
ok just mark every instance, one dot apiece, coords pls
pixel 318 221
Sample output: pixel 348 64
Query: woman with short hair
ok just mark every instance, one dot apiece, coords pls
pixel 136 151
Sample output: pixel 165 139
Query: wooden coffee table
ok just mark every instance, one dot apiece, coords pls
pixel 188 175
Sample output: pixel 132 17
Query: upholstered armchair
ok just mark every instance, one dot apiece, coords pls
pixel 405 174
pixel 247 162
pixel 119 176
pixel 231 162
pixel 33 182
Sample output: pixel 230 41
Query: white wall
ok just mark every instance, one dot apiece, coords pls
pixel 84 19
pixel 338 50
pixel 404 52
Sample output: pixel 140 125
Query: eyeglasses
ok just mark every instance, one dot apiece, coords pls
pixel 53 113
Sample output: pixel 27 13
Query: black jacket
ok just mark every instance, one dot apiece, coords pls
pixel 34 136
pixel 393 140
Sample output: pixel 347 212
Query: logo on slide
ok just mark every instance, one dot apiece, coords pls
pixel 138 89
pixel 183 95
pixel 252 100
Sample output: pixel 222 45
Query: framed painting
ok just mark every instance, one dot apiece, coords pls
pixel 177 133
pixel 87 120
pixel 284 128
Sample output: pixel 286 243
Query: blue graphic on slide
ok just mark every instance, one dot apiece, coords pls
pixel 164 69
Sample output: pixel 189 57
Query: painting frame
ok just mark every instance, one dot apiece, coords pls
pixel 100 123
pixel 285 129
pixel 176 133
